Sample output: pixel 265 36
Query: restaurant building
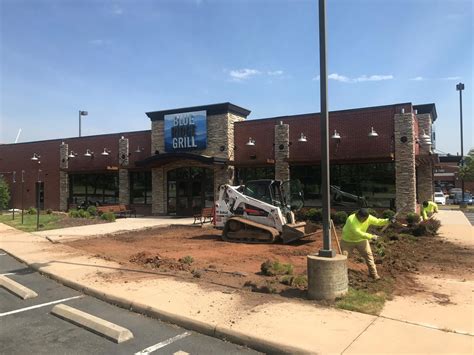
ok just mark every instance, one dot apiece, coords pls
pixel 380 156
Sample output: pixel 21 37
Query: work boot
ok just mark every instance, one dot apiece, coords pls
pixel 375 277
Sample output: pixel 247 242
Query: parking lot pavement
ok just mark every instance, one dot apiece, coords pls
pixel 27 326
pixel 470 217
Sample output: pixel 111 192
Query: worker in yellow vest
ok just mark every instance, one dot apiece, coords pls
pixel 354 235
pixel 428 209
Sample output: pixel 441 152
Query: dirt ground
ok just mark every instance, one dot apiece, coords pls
pixel 199 254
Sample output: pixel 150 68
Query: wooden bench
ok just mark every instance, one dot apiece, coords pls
pixel 119 210
pixel 206 213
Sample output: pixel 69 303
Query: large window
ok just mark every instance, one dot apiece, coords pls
pixel 140 187
pixel 93 188
pixel 255 173
pixel 352 185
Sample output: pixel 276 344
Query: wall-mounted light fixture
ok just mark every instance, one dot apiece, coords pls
pixel 72 155
pixel 372 133
pixel 336 136
pixel 251 142
pixel 302 138
pixel 35 157
pixel 139 149
pixel 88 153
pixel 106 152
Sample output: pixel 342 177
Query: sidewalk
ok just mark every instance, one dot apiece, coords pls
pixel 267 323
pixel 120 225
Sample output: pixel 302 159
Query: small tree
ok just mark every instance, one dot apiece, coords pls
pixel 467 171
pixel 4 194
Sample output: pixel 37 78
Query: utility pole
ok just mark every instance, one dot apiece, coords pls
pixel 22 194
pixel 324 124
pixel 460 88
pixel 81 113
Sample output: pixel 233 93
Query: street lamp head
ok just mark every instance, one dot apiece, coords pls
pixel 372 133
pixel 83 113
pixel 460 87
pixel 302 138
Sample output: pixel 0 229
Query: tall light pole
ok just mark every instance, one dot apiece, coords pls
pixel 324 123
pixel 81 113
pixel 460 88
pixel 22 194
pixel 13 194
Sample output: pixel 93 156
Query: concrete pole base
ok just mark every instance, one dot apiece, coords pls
pixel 327 277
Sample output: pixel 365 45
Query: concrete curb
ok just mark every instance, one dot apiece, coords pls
pixel 213 330
pixel 16 288
pixel 95 324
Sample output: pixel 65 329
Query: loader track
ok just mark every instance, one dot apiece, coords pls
pixel 240 230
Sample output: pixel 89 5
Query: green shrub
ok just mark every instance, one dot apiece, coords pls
pixel 49 211
pixel 388 214
pixel 413 218
pixel 84 214
pixel 108 216
pixel 73 213
pixel 314 215
pixel 92 210
pixel 4 193
pixel 340 217
pixel 32 210
pixel 188 259
pixel 273 268
pixel 373 212
pixel 428 228
pixel 300 281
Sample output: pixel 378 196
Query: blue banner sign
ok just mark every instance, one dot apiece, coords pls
pixel 186 131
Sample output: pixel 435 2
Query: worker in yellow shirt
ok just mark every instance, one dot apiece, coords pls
pixel 428 209
pixel 354 235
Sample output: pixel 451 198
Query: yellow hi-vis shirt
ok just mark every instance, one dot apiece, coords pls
pixel 432 207
pixel 356 231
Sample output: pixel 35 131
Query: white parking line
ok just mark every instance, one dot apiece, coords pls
pixel 39 306
pixel 8 273
pixel 164 343
pixel 3 254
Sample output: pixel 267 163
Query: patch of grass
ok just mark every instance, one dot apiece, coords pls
pixel 273 268
pixel 188 259
pixel 362 301
pixel 47 221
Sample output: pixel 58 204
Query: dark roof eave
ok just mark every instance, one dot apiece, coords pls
pixel 214 109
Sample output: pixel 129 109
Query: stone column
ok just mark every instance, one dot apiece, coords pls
pixel 425 182
pixel 157 137
pixel 405 173
pixel 63 176
pixel 424 125
pixel 282 152
pixel 223 174
pixel 124 183
pixel 158 198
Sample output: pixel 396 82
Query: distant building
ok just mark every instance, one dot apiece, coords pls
pixel 381 155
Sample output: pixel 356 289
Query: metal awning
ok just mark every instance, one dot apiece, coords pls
pixel 165 158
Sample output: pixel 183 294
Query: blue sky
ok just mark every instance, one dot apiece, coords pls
pixel 119 59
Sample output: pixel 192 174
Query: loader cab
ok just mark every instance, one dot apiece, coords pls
pixel 287 195
pixel 268 191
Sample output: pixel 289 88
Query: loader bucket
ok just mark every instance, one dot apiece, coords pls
pixel 292 232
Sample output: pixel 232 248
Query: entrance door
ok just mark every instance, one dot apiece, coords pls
pixel 190 190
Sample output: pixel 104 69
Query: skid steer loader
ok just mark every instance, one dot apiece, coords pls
pixel 261 211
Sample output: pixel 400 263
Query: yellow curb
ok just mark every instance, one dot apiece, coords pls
pixel 95 324
pixel 16 288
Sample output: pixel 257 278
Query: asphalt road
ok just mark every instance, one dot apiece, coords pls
pixel 37 331
pixel 470 217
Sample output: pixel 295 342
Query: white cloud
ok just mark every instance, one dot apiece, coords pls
pixel 243 74
pixel 418 78
pixel 451 78
pixel 99 42
pixel 117 10
pixel 337 77
pixel 275 73
pixel 362 78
